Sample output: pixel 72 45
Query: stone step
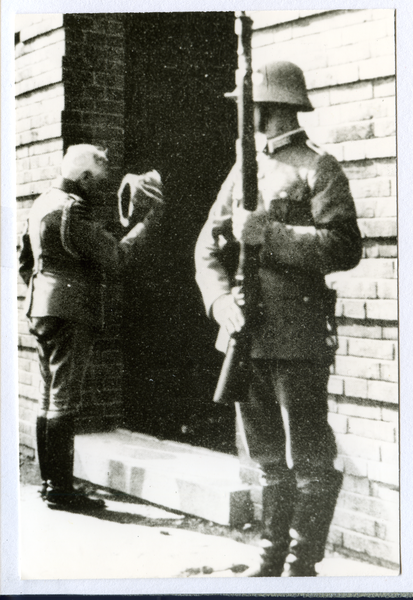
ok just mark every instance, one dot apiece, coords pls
pixel 192 480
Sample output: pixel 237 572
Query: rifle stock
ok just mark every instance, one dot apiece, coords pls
pixel 234 377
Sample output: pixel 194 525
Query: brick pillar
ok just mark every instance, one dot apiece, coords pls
pixel 93 75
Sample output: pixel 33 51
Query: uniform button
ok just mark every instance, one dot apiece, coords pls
pixel 69 285
pixel 283 194
pixel 306 299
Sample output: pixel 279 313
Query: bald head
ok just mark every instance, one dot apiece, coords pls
pixel 87 165
pixel 81 159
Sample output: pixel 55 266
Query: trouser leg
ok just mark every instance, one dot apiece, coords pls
pixel 64 351
pixel 285 429
pixel 262 434
pixel 69 357
pixel 44 329
pixel 68 361
pixel 301 388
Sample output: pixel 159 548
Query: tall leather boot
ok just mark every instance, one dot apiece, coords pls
pixel 60 454
pixel 278 509
pixel 41 440
pixel 314 510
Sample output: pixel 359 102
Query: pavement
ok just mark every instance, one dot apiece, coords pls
pixel 133 539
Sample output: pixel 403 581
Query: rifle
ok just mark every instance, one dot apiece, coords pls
pixel 233 381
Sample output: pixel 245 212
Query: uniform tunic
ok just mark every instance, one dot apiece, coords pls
pixel 311 230
pixel 65 258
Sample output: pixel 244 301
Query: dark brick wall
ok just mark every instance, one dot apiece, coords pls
pixel 94 80
pixel 94 77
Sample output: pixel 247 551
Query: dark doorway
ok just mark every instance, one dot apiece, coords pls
pixel 179 65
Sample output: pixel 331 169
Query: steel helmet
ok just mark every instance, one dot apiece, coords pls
pixel 279 82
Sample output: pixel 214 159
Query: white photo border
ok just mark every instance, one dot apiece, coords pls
pixel 10 583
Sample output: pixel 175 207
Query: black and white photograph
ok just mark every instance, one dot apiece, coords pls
pixel 207 323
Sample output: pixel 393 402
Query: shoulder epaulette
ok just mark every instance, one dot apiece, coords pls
pixel 314 147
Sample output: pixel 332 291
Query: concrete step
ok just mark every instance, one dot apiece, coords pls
pixel 178 476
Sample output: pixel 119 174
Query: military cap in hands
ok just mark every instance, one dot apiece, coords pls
pixel 138 195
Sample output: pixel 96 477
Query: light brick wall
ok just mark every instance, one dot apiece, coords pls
pixel 69 89
pixel 39 150
pixel 348 58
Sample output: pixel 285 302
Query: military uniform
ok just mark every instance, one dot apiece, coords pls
pixel 311 230
pixel 65 258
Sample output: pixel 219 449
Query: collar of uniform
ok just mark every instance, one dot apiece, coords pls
pixel 68 186
pixel 283 140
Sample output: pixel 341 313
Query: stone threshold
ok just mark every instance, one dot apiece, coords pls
pixel 188 479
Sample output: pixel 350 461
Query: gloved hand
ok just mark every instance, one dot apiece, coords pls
pixel 138 195
pixel 227 311
pixel 249 227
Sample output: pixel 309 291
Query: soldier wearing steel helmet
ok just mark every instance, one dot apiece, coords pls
pixel 305 225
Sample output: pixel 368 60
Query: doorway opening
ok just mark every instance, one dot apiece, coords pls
pixel 178 67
